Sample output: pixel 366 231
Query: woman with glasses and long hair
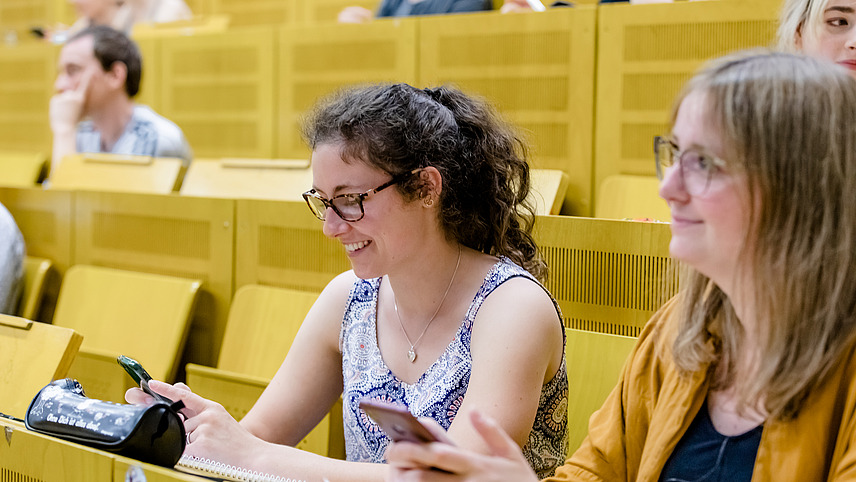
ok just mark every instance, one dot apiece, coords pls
pixel 749 373
pixel 823 28
pixel 426 191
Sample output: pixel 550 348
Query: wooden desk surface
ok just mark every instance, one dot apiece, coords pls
pixel 27 455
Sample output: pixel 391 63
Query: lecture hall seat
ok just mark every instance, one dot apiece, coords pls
pixel 266 319
pixel 36 272
pixel 144 316
pixel 594 363
pixel 32 355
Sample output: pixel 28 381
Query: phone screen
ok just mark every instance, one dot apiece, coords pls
pixel 398 423
pixel 134 369
pixel 141 376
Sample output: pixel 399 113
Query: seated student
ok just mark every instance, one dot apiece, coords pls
pixel 94 109
pixel 12 252
pixel 424 189
pixel 158 11
pixel 823 28
pixel 406 8
pixel 750 371
pixel 122 15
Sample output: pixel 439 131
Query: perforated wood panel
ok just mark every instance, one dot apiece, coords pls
pixel 45 219
pixel 645 55
pixel 151 81
pixel 608 276
pixel 27 74
pixel 316 61
pixel 281 244
pixel 177 236
pixel 125 468
pixel 537 69
pixel 327 11
pixel 65 14
pixel 219 89
pixel 27 456
pixel 20 15
pixel 199 7
pixel 257 12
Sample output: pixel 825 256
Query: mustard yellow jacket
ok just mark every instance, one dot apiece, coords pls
pixel 634 432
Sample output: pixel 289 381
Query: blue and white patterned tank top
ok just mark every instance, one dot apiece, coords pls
pixel 440 391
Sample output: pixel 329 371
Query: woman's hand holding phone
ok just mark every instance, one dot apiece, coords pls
pixel 503 462
pixel 401 425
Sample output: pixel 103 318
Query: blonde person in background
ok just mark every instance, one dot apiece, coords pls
pixel 509 6
pixel 159 11
pixel 121 15
pixel 823 28
pixel 749 373
pixel 425 190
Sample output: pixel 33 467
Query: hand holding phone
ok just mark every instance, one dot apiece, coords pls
pixel 141 376
pixel 398 423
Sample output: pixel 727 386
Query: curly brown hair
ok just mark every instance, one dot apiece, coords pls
pixel 398 128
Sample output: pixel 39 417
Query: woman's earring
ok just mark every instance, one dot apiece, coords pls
pixel 428 202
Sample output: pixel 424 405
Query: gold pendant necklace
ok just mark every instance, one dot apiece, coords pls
pixel 411 354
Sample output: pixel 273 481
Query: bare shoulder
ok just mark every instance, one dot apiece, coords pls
pixel 518 337
pixel 338 289
pixel 522 295
pixel 329 308
pixel 340 286
pixel 520 307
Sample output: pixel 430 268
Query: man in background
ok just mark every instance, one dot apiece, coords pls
pixel 94 109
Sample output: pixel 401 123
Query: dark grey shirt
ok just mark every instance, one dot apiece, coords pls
pixel 403 8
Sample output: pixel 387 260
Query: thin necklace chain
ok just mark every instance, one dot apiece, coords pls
pixel 411 354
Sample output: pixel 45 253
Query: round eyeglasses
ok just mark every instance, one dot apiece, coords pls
pixel 696 168
pixel 349 206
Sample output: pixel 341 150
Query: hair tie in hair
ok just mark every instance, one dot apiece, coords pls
pixel 433 94
pixel 436 95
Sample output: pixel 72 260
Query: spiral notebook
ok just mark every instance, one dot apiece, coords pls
pixel 219 471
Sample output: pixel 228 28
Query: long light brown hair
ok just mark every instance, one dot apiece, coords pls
pixel 787 122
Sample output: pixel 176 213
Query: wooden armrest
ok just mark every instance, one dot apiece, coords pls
pixel 15 322
pixel 118 159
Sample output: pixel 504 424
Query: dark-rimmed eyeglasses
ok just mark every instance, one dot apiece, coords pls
pixel 696 168
pixel 349 206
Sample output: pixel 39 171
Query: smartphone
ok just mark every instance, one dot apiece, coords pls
pixel 140 376
pixel 398 423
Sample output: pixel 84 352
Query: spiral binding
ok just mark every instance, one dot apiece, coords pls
pixel 224 470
